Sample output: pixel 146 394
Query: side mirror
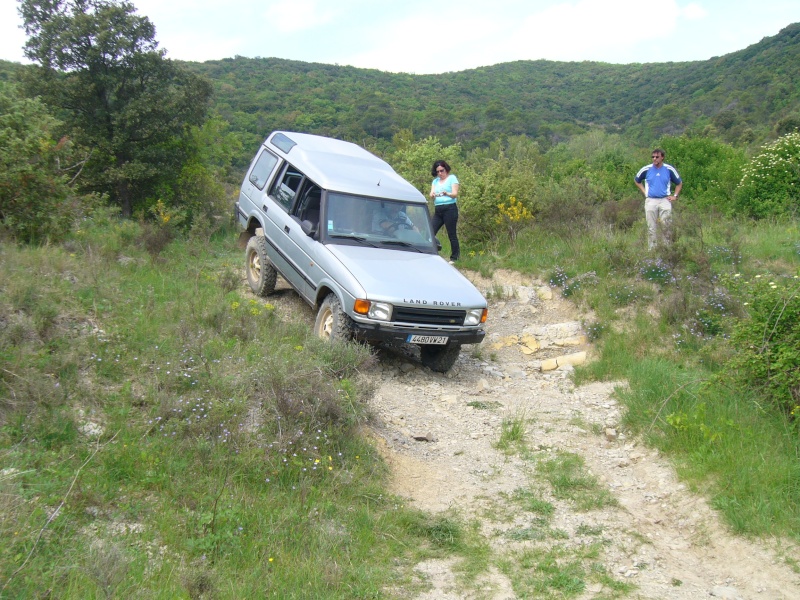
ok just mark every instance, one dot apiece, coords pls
pixel 308 228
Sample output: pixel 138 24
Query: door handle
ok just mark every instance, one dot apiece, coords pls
pixel 286 228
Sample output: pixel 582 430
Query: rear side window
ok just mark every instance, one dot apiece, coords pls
pixel 262 169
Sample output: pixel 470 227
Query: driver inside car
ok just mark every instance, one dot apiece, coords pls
pixel 389 218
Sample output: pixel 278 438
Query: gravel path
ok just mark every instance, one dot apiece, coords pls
pixel 439 432
pixel 439 435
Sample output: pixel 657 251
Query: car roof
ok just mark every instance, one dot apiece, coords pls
pixel 342 166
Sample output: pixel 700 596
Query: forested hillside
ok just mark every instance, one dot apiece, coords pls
pixel 746 97
pixel 743 98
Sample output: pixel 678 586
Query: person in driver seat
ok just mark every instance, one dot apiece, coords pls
pixel 389 218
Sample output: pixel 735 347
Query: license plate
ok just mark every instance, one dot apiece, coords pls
pixel 427 339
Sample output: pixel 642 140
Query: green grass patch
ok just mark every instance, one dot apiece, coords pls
pixel 164 433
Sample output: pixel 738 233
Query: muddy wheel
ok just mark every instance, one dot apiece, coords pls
pixel 261 274
pixel 439 358
pixel 332 323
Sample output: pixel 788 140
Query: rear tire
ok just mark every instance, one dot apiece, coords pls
pixel 261 274
pixel 332 324
pixel 439 358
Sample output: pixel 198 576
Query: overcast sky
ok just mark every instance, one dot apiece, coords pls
pixel 413 36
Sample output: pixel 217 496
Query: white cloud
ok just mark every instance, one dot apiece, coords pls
pixel 694 12
pixel 290 16
pixel 12 38
pixel 610 31
pixel 419 45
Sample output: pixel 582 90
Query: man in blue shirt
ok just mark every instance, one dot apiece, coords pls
pixel 657 189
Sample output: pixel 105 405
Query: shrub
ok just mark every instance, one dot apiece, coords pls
pixel 514 216
pixel 710 169
pixel 768 342
pixel 36 200
pixel 487 189
pixel 769 186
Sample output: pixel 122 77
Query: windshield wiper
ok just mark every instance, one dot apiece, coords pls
pixel 400 243
pixel 357 238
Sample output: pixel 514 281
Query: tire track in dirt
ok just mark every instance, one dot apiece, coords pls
pixel 437 433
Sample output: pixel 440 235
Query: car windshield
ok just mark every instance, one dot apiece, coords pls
pixel 377 222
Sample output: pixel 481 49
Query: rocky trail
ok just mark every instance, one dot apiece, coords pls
pixel 650 534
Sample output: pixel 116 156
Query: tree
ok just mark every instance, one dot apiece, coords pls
pixel 99 64
pixel 36 200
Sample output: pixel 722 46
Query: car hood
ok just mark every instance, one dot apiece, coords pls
pixel 409 278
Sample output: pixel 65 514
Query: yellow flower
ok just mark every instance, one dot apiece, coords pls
pixel 234 305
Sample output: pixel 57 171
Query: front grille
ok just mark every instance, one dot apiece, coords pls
pixel 428 316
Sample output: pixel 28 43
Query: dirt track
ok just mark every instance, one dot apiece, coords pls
pixel 439 432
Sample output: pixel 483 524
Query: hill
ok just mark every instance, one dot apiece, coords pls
pixel 743 96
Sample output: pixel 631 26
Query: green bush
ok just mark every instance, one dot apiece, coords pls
pixel 769 186
pixel 768 342
pixel 36 200
pixel 711 171
pixel 497 182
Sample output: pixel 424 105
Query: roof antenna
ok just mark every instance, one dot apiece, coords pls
pixel 379 183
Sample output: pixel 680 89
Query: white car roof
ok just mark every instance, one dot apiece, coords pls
pixel 342 166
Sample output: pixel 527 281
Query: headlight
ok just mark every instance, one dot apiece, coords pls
pixel 380 311
pixel 475 316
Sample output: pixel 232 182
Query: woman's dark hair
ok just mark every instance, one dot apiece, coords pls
pixel 437 164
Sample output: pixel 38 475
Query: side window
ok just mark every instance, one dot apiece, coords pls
pixel 262 169
pixel 286 186
pixel 308 207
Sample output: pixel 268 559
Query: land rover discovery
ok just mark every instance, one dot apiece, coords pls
pixel 353 238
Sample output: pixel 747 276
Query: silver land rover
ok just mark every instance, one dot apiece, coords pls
pixel 353 238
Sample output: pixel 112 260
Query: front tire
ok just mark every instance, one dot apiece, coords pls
pixel 439 358
pixel 332 322
pixel 261 274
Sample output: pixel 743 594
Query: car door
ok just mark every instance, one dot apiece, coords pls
pixel 305 248
pixel 290 249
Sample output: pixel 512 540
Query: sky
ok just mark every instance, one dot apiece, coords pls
pixel 412 36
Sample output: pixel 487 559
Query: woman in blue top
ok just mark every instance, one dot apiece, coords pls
pixel 444 191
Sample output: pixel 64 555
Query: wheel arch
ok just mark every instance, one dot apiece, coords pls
pixel 253 224
pixel 322 293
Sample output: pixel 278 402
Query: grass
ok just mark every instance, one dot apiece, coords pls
pixel 166 435
pixel 512 434
pixel 662 322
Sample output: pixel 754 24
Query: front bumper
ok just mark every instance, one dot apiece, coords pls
pixel 381 333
